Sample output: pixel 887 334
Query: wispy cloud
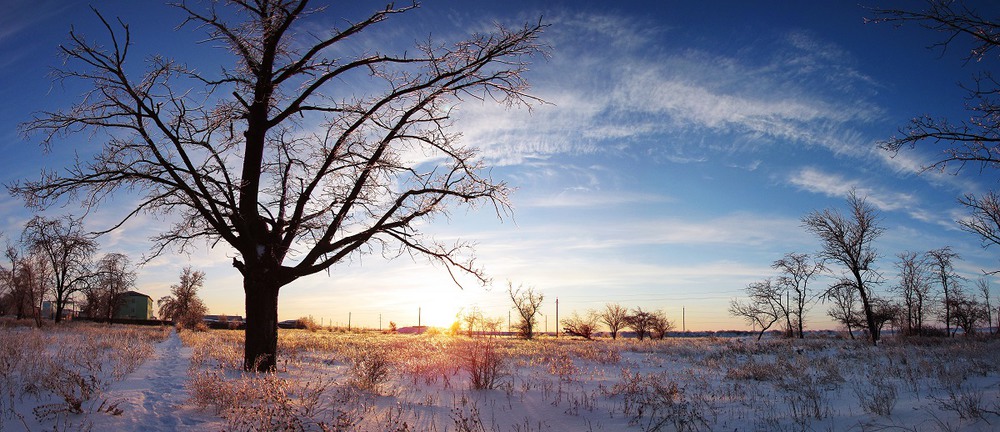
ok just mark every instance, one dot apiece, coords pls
pixel 598 82
pixel 815 180
pixel 835 185
pixel 585 198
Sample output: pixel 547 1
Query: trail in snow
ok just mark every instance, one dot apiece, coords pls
pixel 153 398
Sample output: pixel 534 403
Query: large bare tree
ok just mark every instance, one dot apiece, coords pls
pixel 67 250
pixel 974 141
pixel 848 241
pixel 300 152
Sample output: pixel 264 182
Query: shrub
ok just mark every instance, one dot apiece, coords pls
pixel 308 323
pixel 370 367
pixel 655 401
pixel 483 361
pixel 876 394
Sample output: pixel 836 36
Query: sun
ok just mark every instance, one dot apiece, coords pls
pixel 440 307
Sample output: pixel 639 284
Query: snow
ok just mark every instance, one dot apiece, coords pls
pixel 192 381
pixel 154 397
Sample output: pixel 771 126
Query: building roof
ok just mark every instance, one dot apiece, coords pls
pixel 136 294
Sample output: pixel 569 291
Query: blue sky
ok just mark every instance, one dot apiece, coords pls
pixel 680 146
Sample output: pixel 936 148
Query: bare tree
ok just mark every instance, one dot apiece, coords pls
pixel 68 252
pixel 473 320
pixel 884 312
pixel 944 269
pixel 914 287
pixel 113 277
pixel 848 241
pixel 276 155
pixel 971 142
pixel 527 302
pixel 967 312
pixel 984 289
pixel 30 278
pixel 661 325
pixel 641 322
pixel 183 306
pixel 581 325
pixel 762 308
pixel 17 299
pixel 796 271
pixel 844 297
pixel 614 316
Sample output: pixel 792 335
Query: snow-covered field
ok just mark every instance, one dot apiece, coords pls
pixel 94 377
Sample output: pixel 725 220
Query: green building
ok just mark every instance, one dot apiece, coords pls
pixel 135 305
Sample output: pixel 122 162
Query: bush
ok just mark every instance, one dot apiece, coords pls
pixel 308 323
pixel 483 361
pixel 370 367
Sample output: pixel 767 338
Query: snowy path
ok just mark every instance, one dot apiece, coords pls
pixel 153 398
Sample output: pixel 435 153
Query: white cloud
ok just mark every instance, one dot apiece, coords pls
pixel 814 180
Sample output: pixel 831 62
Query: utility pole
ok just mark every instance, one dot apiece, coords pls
pixel 557 317
pixel 348 321
pixel 418 316
pixel 684 325
pixel 379 322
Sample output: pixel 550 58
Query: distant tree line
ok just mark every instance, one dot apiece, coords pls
pixel 527 303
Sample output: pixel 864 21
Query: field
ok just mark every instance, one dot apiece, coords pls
pixel 99 377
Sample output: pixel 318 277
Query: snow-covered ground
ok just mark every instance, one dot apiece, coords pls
pixel 373 382
pixel 154 397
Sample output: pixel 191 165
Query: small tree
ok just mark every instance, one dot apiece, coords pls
pixel 183 305
pixel 941 261
pixel 796 272
pixel 914 288
pixel 661 325
pixel 581 325
pixel 967 312
pixel 527 302
pixel 641 322
pixel 844 297
pixel 29 278
pixel 614 316
pixel 113 277
pixel 473 320
pixel 762 308
pixel 984 289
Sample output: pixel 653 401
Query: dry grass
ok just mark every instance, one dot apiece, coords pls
pixel 66 369
pixel 366 381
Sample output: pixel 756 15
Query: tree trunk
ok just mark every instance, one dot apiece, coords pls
pixel 873 331
pixel 59 310
pixel 260 352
